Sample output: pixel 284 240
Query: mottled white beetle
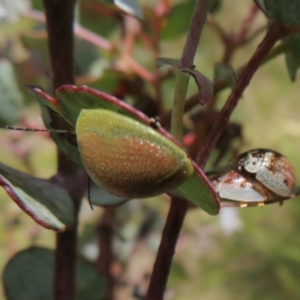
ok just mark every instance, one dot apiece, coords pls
pixel 235 186
pixel 270 168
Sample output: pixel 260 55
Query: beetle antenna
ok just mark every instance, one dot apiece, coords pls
pixel 89 193
pixel 33 129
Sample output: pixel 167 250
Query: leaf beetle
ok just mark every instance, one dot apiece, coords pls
pixel 270 168
pixel 235 186
pixel 127 158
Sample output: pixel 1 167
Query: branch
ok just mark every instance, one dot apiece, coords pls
pixel 59 21
pixel 105 260
pixel 163 261
pixel 274 33
pixel 178 206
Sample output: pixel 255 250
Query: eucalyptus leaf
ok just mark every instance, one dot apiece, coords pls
pixel 54 118
pixel 198 190
pixel 11 97
pixel 29 275
pixel 292 57
pixel 47 203
pixel 293 45
pixel 224 73
pixel 205 86
pixel 293 66
pixel 175 24
pixel 85 55
pixel 287 12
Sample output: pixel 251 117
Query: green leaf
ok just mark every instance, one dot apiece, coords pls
pixel 72 99
pixel 107 82
pixel 293 45
pixel 29 275
pixel 287 12
pixel 11 97
pixel 101 198
pixel 292 57
pixel 293 66
pixel 47 203
pixel 178 21
pixel 91 10
pixel 85 55
pixel 54 119
pixel 205 86
pixel 224 73
pixel 198 190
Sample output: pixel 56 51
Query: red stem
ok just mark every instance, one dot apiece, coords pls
pixel 59 18
pixel 166 249
pixel 106 257
pixel 65 269
pixel 59 21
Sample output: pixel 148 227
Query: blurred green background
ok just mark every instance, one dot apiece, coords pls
pixel 243 253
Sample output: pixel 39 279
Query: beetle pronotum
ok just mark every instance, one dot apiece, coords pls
pixel 270 168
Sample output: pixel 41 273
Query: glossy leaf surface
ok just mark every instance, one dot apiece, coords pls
pixel 11 97
pixel 286 12
pixel 29 275
pixel 47 203
pixel 205 87
pixel 174 26
pixel 198 190
pixel 293 55
pixel 293 66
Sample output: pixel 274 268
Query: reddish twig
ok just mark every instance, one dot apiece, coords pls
pixel 137 68
pixel 274 33
pixel 106 258
pixel 59 21
pixel 166 249
pixel 65 268
pixel 79 31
